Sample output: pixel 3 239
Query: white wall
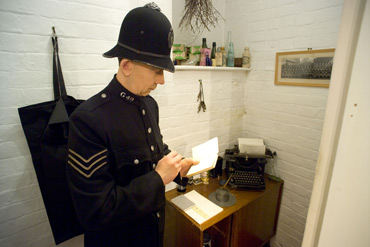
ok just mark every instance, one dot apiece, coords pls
pixel 288 118
pixel 86 29
pixel 181 124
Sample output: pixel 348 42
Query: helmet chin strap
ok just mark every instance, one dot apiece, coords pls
pixel 142 52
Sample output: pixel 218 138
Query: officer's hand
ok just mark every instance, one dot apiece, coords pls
pixel 169 166
pixel 186 164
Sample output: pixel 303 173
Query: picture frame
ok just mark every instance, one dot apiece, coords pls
pixel 311 68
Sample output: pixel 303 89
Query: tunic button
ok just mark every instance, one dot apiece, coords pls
pixel 103 95
pixel 158 215
pixel 136 161
pixel 143 112
pixel 149 130
pixel 152 147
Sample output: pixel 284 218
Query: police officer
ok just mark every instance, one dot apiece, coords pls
pixel 118 165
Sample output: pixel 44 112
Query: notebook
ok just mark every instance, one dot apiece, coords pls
pixel 207 154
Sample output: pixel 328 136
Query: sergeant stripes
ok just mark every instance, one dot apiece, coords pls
pixel 87 167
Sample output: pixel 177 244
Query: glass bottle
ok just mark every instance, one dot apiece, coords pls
pixel 246 60
pixel 230 52
pixel 218 57
pixel 213 53
pixel 224 56
pixel 204 43
pixel 208 61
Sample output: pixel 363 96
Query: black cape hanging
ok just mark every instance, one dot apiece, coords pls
pixel 45 126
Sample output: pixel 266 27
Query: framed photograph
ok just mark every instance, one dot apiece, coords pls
pixel 310 68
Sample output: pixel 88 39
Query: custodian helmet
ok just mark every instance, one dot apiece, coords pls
pixel 146 36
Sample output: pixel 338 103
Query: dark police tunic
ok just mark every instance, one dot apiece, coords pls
pixel 114 146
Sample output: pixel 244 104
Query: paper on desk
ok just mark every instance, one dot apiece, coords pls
pixel 201 209
pixel 207 154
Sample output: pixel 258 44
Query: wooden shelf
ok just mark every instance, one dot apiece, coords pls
pixel 209 68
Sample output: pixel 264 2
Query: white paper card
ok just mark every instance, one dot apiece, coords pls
pixel 203 208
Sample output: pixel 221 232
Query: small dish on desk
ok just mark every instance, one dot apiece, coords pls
pixel 222 197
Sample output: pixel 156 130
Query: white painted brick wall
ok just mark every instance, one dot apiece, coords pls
pixel 85 29
pixel 182 127
pixel 288 118
pixel 238 104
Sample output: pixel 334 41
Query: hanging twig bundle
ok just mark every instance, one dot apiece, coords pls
pixel 198 15
pixel 200 98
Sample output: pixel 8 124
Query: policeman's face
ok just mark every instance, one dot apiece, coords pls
pixel 146 78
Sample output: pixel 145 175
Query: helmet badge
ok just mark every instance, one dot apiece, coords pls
pixel 170 38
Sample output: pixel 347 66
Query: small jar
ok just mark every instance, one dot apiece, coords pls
pixel 207 240
pixel 246 60
pixel 204 176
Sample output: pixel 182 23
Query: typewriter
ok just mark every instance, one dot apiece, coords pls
pixel 245 171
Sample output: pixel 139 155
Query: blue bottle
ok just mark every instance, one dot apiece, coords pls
pixel 208 61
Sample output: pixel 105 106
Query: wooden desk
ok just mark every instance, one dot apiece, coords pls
pixel 252 221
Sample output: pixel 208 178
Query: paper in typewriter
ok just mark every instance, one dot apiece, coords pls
pixel 207 154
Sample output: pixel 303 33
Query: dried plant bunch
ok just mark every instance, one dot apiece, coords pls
pixel 199 15
pixel 200 98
